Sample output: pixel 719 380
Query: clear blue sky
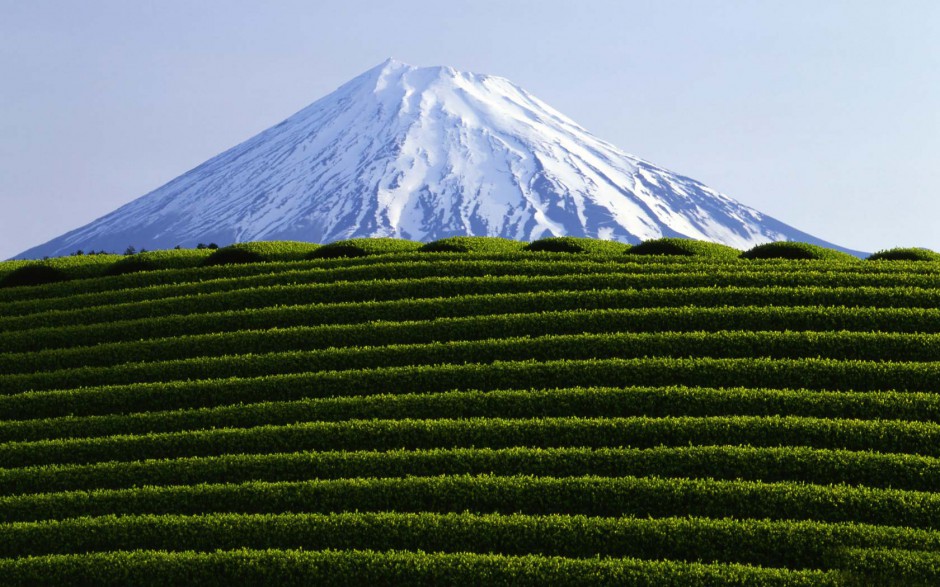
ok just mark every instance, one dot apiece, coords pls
pixel 825 114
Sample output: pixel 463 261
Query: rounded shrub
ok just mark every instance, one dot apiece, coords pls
pixel 37 274
pixel 473 244
pixel 361 247
pixel 232 255
pixel 260 251
pixel 685 247
pixel 156 260
pixel 794 250
pixel 575 244
pixel 130 264
pixel 905 254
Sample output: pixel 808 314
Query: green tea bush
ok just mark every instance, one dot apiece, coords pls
pixel 473 244
pixel 497 433
pixel 588 495
pixel 905 254
pixel 351 568
pixel 261 251
pixel 573 244
pixel 794 250
pixel 38 274
pixel 685 247
pixel 156 260
pixel 7 267
pixel 762 542
pixel 361 247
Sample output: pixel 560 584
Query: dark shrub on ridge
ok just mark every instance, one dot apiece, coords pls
pixel 575 244
pixel 33 275
pixel 156 260
pixel 473 244
pixel 261 251
pixel 794 250
pixel 905 254
pixel 684 247
pixel 360 247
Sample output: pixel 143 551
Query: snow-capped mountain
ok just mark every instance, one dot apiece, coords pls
pixel 424 153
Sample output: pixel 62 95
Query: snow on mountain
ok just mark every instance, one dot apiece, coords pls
pixel 424 153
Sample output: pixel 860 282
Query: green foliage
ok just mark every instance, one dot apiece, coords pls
pixel 907 437
pixel 517 403
pixel 905 254
pixel 52 271
pixel 794 250
pixel 282 330
pixel 811 465
pixel 911 355
pixel 572 244
pixel 33 274
pixel 773 543
pixel 589 496
pixel 158 260
pixel 362 247
pixel 261 251
pixel 666 418
pixel 889 566
pixel 472 244
pixel 536 266
pixel 686 248
pixel 351 568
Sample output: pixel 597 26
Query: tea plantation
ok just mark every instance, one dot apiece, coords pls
pixel 471 411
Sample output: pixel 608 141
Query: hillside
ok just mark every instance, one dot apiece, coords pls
pixel 470 411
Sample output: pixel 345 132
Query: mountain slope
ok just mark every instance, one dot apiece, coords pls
pixel 424 153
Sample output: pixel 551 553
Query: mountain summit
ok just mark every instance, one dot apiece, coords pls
pixel 424 153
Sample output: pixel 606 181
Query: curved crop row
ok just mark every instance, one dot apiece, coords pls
pixel 889 436
pixel 769 464
pixel 796 545
pixel 38 337
pixel 888 321
pixel 813 374
pixel 355 568
pixel 445 287
pixel 390 269
pixel 589 496
pixel 507 403
pixel 843 346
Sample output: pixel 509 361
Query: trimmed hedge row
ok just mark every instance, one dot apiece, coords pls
pixel 589 496
pixel 389 269
pixel 907 340
pixel 794 545
pixel 163 283
pixel 168 277
pixel 522 403
pixel 480 279
pixel 639 432
pixel 384 271
pixel 769 464
pixel 919 351
pixel 218 316
pixel 357 568
pixel 890 566
pixel 814 374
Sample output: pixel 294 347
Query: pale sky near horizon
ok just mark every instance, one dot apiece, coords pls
pixel 824 114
